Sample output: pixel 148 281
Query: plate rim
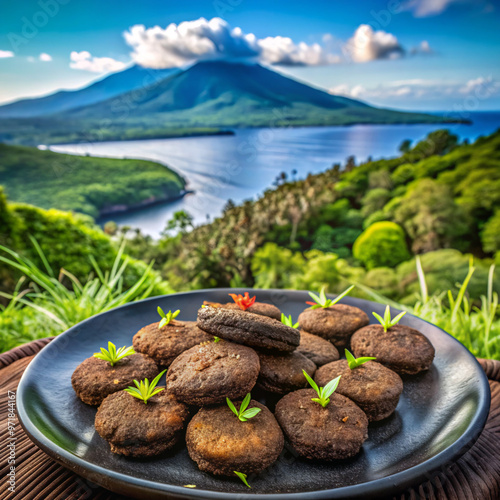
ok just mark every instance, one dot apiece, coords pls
pixel 391 484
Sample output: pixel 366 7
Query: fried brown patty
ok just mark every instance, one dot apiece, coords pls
pixel 402 349
pixel 256 308
pixel 94 379
pixel 282 373
pixel 247 328
pixel 220 443
pixel 334 432
pixel 336 323
pixel 317 349
pixel 135 429
pixel 207 374
pixel 165 344
pixel 372 386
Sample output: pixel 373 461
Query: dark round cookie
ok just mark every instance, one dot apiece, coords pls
pixel 317 349
pixel 282 373
pixel 94 379
pixel 334 432
pixel 165 344
pixel 136 429
pixel 372 386
pixel 336 323
pixel 247 328
pixel 256 308
pixel 208 373
pixel 402 349
pixel 220 443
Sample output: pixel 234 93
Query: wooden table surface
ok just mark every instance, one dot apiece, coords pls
pixel 475 476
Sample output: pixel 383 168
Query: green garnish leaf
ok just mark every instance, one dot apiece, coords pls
pixel 386 321
pixel 145 390
pixel 321 300
pixel 287 320
pixel 166 318
pixel 112 355
pixel 243 477
pixel 355 362
pixel 323 393
pixel 216 339
pixel 243 414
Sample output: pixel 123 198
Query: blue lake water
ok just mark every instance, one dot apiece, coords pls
pixel 242 166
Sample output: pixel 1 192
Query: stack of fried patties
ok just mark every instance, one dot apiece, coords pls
pixel 234 348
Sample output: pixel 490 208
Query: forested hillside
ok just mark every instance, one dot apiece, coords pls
pixel 365 222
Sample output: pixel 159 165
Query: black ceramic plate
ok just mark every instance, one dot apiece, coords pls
pixel 440 414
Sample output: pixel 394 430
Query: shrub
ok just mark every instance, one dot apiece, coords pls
pixel 381 245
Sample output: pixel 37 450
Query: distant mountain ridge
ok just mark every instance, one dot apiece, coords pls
pixel 207 97
pixel 63 100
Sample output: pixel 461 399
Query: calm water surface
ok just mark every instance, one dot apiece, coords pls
pixel 242 166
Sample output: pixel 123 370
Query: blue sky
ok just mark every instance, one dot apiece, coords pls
pixel 409 54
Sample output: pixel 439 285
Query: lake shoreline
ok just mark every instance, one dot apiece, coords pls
pixel 124 209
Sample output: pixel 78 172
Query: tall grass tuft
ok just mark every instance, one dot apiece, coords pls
pixel 53 303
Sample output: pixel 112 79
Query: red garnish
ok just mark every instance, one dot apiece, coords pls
pixel 243 301
pixel 311 303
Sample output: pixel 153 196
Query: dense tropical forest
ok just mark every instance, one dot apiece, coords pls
pixel 404 230
pixel 83 184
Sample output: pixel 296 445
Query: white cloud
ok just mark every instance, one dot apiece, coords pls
pixel 177 45
pixel 369 45
pixel 85 61
pixel 480 88
pixel 6 53
pixel 426 8
pixel 45 57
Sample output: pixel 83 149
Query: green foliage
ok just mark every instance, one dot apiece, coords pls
pixel 288 321
pixel 83 183
pixel 50 307
pixel 144 389
pixel 243 477
pixel 355 362
pixel 166 318
pixel 321 301
pixel 386 321
pixel 431 217
pixel 382 244
pixel 323 393
pixel 491 233
pixel 111 355
pixel 243 413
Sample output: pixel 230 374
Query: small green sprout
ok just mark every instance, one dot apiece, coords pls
pixel 144 390
pixel 167 318
pixel 324 393
pixel 243 414
pixel 321 300
pixel 355 362
pixel 243 477
pixel 216 339
pixel 112 355
pixel 288 321
pixel 386 321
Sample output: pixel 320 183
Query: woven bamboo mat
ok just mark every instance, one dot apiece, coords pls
pixel 475 476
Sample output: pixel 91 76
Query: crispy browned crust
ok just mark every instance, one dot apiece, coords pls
pixel 220 443
pixel 402 349
pixel 336 323
pixel 207 374
pixel 335 432
pixel 165 344
pixel 94 379
pixel 249 329
pixel 372 386
pixel 135 429
pixel 282 373
pixel 256 308
pixel 317 349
